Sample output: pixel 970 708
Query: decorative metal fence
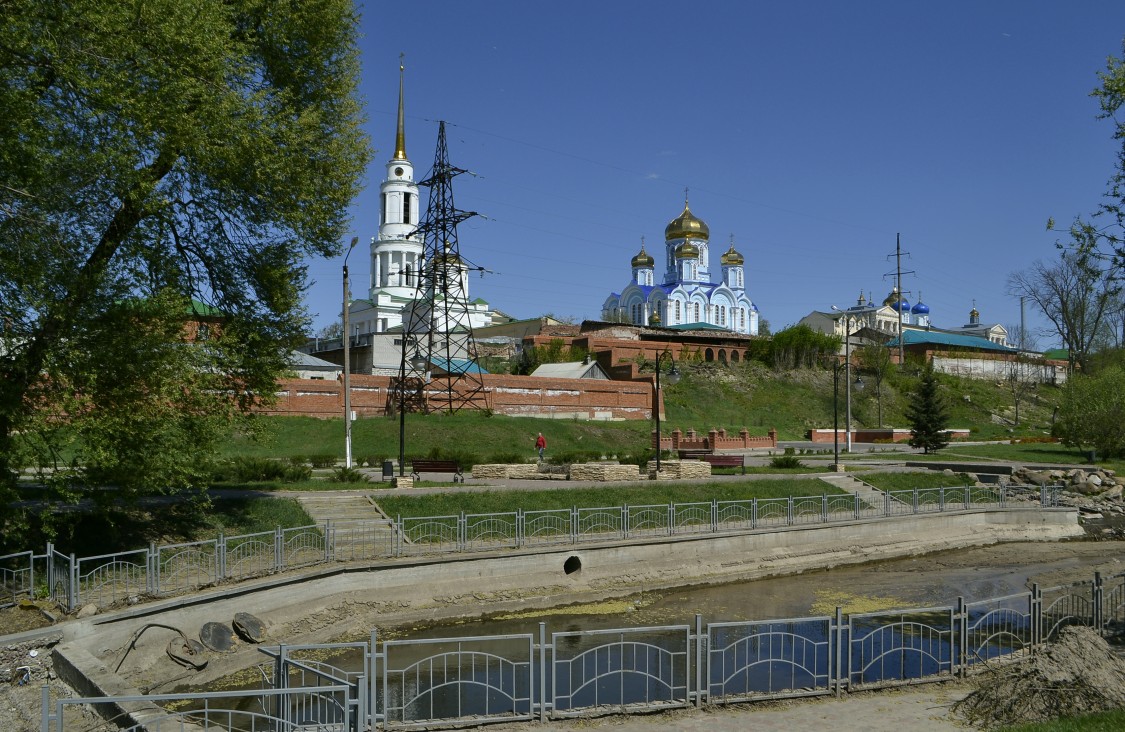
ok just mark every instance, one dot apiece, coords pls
pixel 469 681
pixel 172 569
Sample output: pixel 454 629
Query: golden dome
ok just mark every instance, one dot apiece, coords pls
pixel 447 257
pixel 731 258
pixel 687 250
pixel 974 313
pixel 686 225
pixel 891 299
pixel 643 258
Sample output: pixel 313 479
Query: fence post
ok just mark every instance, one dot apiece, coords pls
pixel 1099 596
pixel 625 521
pixel 520 519
pixel 278 550
pixel 542 672
pixel 700 640
pixel 152 570
pixel 221 557
pixel 714 515
pixel 789 509
pixel 753 513
pixel 838 638
pixel 941 499
pixel 73 593
pixel 50 570
pixel 961 621
pixel 329 549
pixel 915 498
pixel 462 532
pixel 372 660
pixel 856 509
pixel 886 504
pixel 574 524
pixel 968 497
pixel 398 537
pixel 1036 612
pixel 671 519
pixel 824 508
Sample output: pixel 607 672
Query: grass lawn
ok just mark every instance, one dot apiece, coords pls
pixel 910 481
pixel 654 493
pixel 1104 722
pixel 477 435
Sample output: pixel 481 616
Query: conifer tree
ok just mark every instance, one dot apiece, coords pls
pixel 928 415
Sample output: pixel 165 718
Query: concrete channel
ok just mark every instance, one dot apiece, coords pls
pixel 346 601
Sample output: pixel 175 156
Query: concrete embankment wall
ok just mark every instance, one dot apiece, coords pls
pixel 349 601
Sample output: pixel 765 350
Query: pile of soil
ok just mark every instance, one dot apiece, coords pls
pixel 1076 675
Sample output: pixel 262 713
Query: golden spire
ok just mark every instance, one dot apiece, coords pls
pixel 400 136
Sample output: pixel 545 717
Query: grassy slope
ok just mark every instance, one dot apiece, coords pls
pixel 709 396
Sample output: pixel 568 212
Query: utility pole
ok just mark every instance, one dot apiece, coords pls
pixel 898 273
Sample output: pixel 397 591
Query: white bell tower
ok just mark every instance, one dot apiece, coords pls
pixel 396 254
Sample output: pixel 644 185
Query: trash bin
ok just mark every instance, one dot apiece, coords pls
pixel 388 470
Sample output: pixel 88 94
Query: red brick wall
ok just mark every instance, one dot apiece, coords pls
pixel 503 394
pixel 714 440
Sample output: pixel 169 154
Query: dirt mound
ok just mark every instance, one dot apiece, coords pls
pixel 1076 675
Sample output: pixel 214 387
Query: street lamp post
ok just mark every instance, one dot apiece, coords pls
pixel 847 379
pixel 836 369
pixel 673 377
pixel 347 366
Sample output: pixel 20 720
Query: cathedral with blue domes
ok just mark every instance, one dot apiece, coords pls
pixel 687 295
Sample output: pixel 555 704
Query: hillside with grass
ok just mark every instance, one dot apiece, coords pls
pixel 708 396
pixel 795 401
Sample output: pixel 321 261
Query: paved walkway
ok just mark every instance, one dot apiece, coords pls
pixel 924 708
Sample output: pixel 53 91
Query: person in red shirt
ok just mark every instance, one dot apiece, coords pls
pixel 541 445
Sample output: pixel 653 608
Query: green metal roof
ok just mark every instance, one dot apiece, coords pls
pixel 697 326
pixel 203 310
pixel 954 340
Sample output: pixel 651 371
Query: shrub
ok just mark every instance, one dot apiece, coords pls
pixel 246 469
pixel 347 475
pixel 323 461
pixel 786 461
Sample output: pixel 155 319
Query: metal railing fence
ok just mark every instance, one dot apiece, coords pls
pixel 166 570
pixel 474 680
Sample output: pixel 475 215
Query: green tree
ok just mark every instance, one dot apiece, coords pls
pixel 1092 412
pixel 153 153
pixel 928 414
pixel 799 346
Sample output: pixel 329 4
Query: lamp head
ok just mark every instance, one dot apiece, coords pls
pixel 417 361
pixel 674 374
pixel 858 384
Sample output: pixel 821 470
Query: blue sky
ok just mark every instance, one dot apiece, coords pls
pixel 813 132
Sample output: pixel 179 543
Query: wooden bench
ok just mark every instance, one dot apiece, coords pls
pixel 724 461
pixel 417 467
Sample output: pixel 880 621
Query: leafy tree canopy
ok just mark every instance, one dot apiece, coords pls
pixel 153 152
pixel 1093 411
